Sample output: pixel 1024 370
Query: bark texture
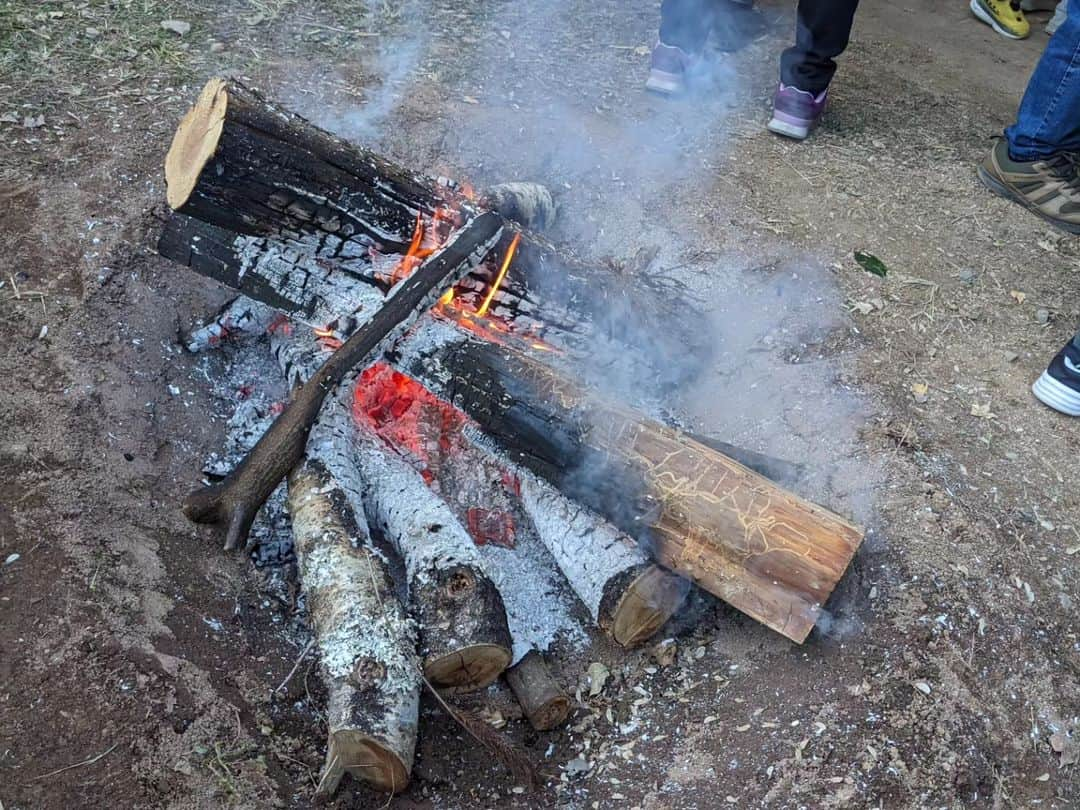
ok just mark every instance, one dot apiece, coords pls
pixel 367 645
pixel 542 699
pixel 739 536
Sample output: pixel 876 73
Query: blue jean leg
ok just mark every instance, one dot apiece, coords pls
pixel 1048 121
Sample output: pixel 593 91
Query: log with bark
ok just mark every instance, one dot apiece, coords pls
pixel 242 163
pixel 464 639
pixel 733 532
pixel 544 702
pixel 366 643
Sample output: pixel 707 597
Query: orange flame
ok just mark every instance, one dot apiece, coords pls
pixel 482 310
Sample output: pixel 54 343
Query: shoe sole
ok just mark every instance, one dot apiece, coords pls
pixel 1003 190
pixel 797 131
pixel 989 19
pixel 665 84
pixel 1056 394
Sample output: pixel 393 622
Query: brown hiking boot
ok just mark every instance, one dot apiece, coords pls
pixel 1049 188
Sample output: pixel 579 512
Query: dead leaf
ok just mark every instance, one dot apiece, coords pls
pixel 1018 296
pixel 921 392
pixel 642 50
pixel 34 121
pixel 470 100
pixel 1067 746
pixel 598 675
pixel 982 411
pixel 862 307
pixel 743 727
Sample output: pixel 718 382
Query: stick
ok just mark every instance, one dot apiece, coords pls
pixel 90 761
pixel 236 500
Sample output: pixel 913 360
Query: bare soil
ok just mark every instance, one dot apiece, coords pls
pixel 138 662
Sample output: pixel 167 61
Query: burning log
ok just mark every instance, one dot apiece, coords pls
pixel 733 532
pixel 367 644
pixel 542 699
pixel 624 593
pixel 236 500
pixel 464 638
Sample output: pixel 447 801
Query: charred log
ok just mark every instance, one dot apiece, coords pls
pixel 761 548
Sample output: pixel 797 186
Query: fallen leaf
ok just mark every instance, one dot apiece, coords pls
pixel 1072 550
pixel 179 27
pixel 743 727
pixel 871 263
pixel 1044 778
pixel 982 411
pixel 921 392
pixel 470 100
pixel 642 50
pixel 33 122
pixel 598 675
pixel 862 307
pixel 1018 296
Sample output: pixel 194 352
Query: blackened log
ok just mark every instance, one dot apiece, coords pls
pixel 759 547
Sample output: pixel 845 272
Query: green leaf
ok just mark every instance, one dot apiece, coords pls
pixel 871 263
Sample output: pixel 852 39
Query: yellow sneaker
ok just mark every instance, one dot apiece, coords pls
pixel 1004 16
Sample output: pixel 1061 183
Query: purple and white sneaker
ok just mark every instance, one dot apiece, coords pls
pixel 796 112
pixel 668 69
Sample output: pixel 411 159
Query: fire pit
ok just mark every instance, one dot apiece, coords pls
pixel 440 420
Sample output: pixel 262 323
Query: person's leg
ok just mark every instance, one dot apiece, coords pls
pixel 1036 163
pixel 684 28
pixel 822 30
pixel 685 24
pixel 1048 121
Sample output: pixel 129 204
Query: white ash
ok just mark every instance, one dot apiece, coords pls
pixel 240 317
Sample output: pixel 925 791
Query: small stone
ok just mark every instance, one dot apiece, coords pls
pixel 1010 356
pixel 922 686
pixel 217 47
pixel 174 390
pixel 1042 315
pixel 12 558
pixel 179 27
pixel 92 33
pixel 968 276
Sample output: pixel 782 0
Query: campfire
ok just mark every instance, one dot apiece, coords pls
pixel 440 424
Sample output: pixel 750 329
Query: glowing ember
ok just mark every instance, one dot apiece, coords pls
pixel 507 259
pixel 427 431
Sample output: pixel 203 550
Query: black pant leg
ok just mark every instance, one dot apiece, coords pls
pixel 686 23
pixel 822 30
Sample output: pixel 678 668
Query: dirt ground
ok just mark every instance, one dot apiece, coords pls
pixel 138 662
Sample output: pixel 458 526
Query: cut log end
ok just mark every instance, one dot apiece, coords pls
pixel 461 603
pixel 195 142
pixel 542 699
pixel 639 601
pixel 364 758
pixel 467 668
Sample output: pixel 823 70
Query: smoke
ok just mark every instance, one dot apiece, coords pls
pixel 552 91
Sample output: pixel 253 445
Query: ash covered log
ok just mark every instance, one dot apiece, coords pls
pixel 464 639
pixel 367 644
pixel 739 536
pixel 236 500
pixel 626 595
pixel 542 699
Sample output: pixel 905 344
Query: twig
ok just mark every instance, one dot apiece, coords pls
pixel 296 666
pixel 90 761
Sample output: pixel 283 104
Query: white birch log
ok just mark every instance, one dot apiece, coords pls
pixel 464 639
pixel 627 596
pixel 367 644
